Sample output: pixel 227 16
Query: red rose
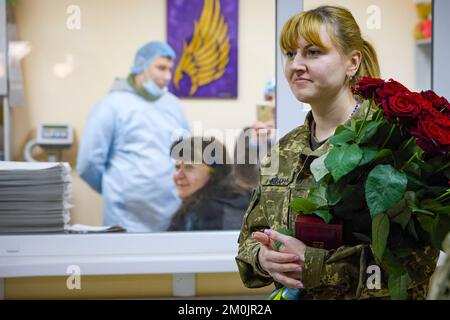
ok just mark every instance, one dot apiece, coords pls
pixel 391 88
pixel 367 87
pixel 404 107
pixel 433 134
pixel 439 103
pixel 432 131
pixel 430 111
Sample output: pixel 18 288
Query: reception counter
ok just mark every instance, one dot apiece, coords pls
pixel 163 265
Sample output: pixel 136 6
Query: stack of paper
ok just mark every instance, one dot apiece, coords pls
pixel 34 196
pixel 82 228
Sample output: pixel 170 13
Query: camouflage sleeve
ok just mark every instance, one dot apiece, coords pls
pixel 440 283
pixel 333 272
pixel 252 275
pixel 344 272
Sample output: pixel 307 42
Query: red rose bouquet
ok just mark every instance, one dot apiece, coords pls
pixel 387 176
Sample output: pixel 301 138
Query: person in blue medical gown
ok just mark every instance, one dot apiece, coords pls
pixel 125 149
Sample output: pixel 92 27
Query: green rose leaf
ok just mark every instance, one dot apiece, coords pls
pixel 426 222
pixel 334 193
pixel 341 128
pixel 443 210
pixel 384 187
pixel 403 218
pixel 399 279
pixel 368 132
pixel 410 198
pixel 342 160
pixel 415 182
pixel 440 230
pixel 397 209
pixel 317 195
pixel 337 191
pixel 398 286
pixel 426 167
pixel 412 229
pixel 380 233
pixel 383 153
pixel 324 214
pixel 430 204
pixel 403 252
pixel 412 167
pixel 353 125
pixel 369 153
pixel 415 209
pixel 392 264
pixel 400 213
pixel 342 137
pixel 303 206
pixel 318 168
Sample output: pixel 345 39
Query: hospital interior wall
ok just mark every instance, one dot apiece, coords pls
pixel 68 71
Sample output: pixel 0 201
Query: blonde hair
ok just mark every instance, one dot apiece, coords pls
pixel 342 29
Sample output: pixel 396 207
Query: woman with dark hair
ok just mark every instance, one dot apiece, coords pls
pixel 205 182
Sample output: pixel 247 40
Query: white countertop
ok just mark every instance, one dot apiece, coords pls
pixel 118 253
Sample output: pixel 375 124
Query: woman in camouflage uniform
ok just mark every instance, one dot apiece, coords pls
pixel 440 282
pixel 324 53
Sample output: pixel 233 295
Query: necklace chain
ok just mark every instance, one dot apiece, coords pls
pixel 354 109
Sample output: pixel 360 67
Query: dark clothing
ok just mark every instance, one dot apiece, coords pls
pixel 217 211
pixel 246 161
pixel 314 143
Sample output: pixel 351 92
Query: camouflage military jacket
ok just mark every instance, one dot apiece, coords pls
pixel 335 274
pixel 440 283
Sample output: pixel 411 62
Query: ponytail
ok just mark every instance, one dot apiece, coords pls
pixel 369 65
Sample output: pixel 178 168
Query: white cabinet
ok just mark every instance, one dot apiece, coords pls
pixel 441 48
pixel 422 51
pixel 3 77
pixel 423 65
pixel 4 108
pixel 3 41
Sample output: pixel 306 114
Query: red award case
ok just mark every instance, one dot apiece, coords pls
pixel 314 232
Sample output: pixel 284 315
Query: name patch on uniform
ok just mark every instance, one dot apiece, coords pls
pixel 277 181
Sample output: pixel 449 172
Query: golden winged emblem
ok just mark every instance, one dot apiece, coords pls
pixel 205 58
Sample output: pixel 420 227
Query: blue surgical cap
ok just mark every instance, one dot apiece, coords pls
pixel 150 52
pixel 270 87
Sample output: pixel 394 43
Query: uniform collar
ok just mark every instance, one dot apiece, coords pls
pixel 305 138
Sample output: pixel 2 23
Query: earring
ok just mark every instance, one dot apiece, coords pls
pixel 351 78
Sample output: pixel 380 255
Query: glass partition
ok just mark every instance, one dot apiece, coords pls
pixel 70 54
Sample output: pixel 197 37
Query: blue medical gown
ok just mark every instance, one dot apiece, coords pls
pixel 125 155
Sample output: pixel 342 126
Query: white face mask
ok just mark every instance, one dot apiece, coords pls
pixel 153 89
